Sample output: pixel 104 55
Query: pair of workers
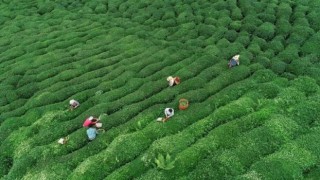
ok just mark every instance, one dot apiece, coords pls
pixel 92 124
pixel 73 104
pixel 169 112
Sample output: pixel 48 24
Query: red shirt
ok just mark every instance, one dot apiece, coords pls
pixel 87 122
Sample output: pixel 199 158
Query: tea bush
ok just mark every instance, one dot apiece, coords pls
pixel 311 44
pixel 278 66
pixel 290 53
pixel 284 10
pixel 305 84
pixel 283 27
pixel 264 75
pixel 266 31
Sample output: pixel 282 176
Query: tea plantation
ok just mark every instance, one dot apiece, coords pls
pixel 258 120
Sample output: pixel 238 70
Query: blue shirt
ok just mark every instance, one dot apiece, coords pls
pixel 92 133
pixel 233 62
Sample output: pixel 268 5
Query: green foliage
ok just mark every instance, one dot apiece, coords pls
pixel 283 27
pixel 236 25
pixel 268 90
pixel 278 66
pixel 266 31
pixel 305 84
pixel 265 17
pixel 244 40
pixel 231 35
pixel 312 44
pixel 165 163
pixel 45 7
pixel 277 44
pixel 290 53
pixel 284 10
pixel 236 14
pixel 264 76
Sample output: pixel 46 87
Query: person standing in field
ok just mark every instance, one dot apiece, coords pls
pixel 234 61
pixel 73 104
pixel 173 80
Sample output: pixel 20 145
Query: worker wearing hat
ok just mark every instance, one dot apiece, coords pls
pixel 173 80
pixel 73 104
pixel 234 61
pixel 90 121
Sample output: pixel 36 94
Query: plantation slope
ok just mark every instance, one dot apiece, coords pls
pixel 259 120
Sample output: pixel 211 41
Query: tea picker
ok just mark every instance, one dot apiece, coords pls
pixel 92 132
pixel 169 112
pixel 73 104
pixel 92 121
pixel 63 140
pixel 234 61
pixel 173 80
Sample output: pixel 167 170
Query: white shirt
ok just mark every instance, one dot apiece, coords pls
pixel 168 113
pixel 171 82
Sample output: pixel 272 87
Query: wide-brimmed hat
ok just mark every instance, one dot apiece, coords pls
pixel 72 101
pixel 169 78
pixel 236 57
pixel 90 118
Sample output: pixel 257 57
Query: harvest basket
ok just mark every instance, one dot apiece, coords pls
pixel 177 80
pixel 183 104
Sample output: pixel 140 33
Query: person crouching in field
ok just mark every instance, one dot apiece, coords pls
pixel 234 61
pixel 169 112
pixel 92 132
pixel 73 104
pixel 173 80
pixel 90 121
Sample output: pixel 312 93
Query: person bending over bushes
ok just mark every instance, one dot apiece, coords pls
pixel 92 132
pixel 234 61
pixel 169 112
pixel 173 80
pixel 73 104
pixel 91 121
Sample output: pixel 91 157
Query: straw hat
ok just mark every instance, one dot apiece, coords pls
pixel 90 118
pixel 236 57
pixel 169 78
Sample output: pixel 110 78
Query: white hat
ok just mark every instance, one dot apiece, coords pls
pixel 169 78
pixel 72 101
pixel 61 141
pixel 90 118
pixel 236 57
